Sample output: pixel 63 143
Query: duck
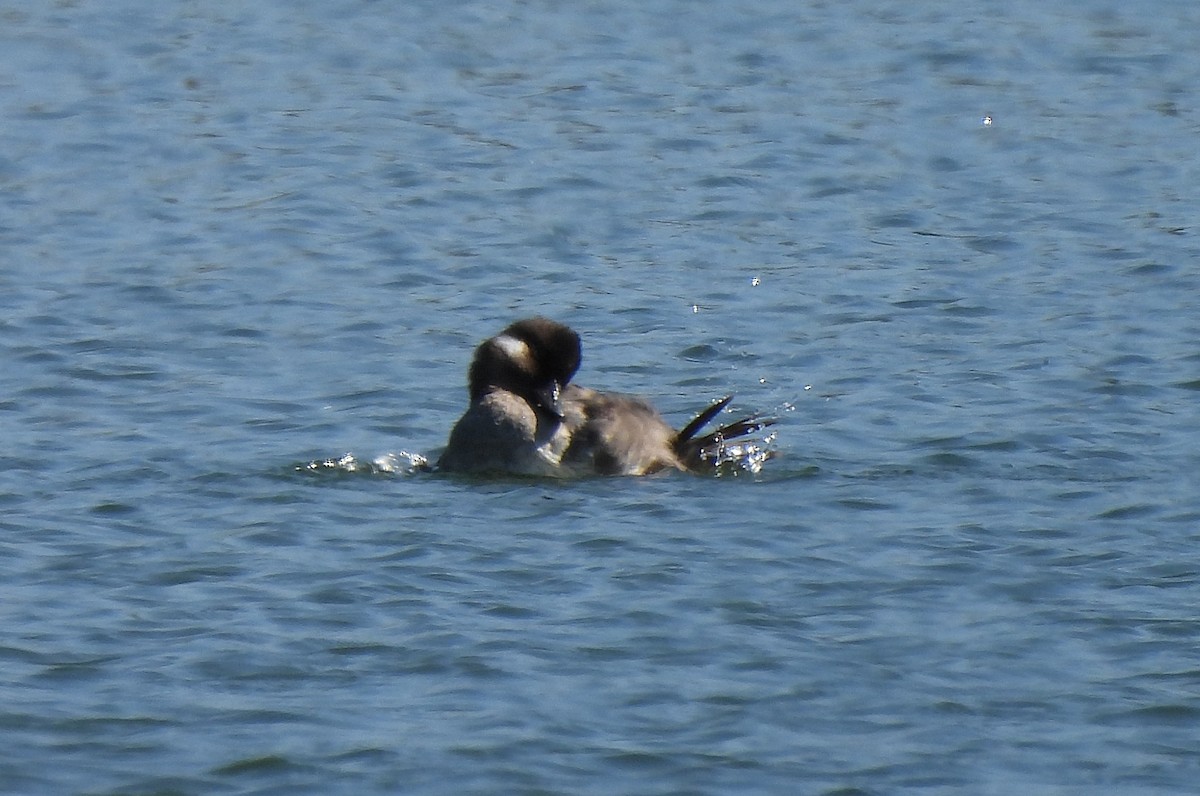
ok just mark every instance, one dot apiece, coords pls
pixel 526 417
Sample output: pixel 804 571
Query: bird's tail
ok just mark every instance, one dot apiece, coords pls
pixel 711 450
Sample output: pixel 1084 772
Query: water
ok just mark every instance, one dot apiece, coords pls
pixel 953 248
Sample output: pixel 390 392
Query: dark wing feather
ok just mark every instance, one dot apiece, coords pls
pixel 701 421
pixel 694 452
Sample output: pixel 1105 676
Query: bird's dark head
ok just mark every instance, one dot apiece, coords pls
pixel 534 358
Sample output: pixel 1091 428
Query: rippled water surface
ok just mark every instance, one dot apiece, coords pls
pixel 953 247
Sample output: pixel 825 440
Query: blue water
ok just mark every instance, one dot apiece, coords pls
pixel 953 247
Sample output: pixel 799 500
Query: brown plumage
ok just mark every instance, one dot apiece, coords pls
pixel 526 418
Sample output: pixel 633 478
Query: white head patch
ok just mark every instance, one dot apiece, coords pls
pixel 517 350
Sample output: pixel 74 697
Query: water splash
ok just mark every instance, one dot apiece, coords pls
pixel 402 463
pixel 742 456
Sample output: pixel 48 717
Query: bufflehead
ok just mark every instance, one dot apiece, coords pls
pixel 526 418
